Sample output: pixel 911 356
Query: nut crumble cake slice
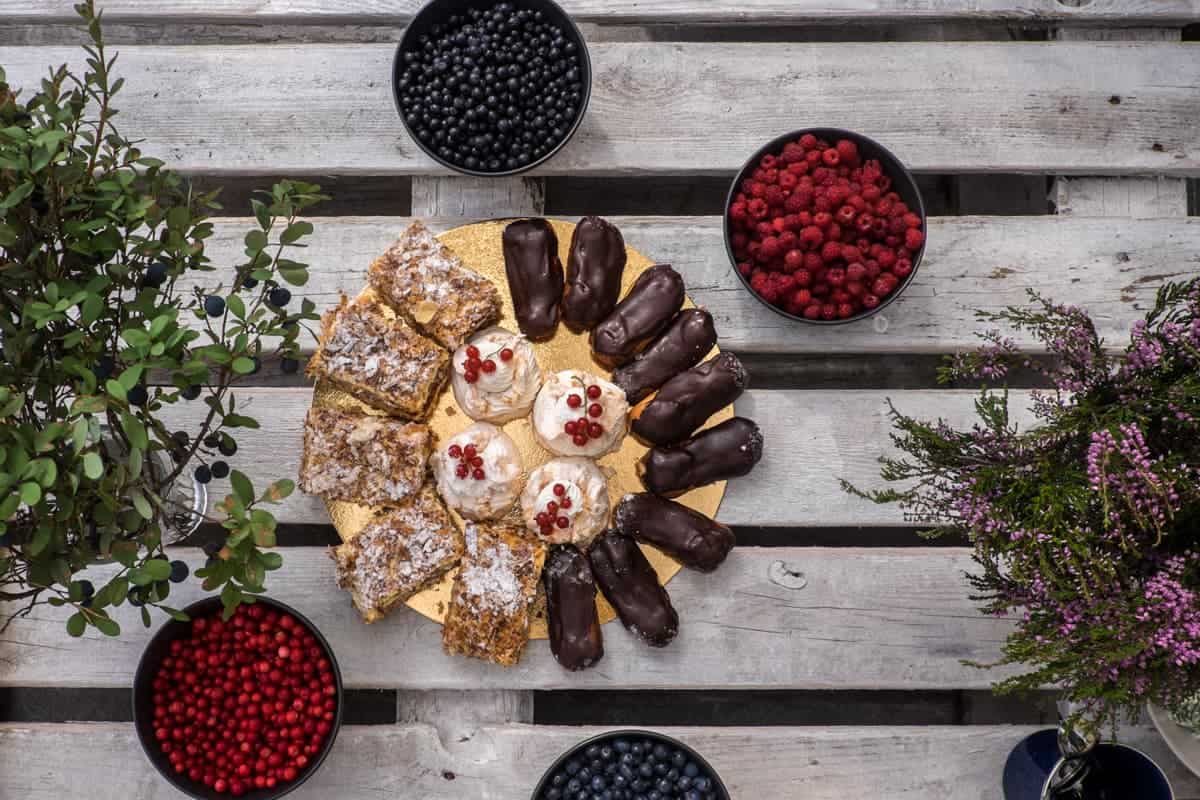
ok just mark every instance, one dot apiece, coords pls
pixel 490 605
pixel 361 458
pixel 431 287
pixel 376 356
pixel 401 552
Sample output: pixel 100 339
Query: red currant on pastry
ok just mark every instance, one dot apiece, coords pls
pixel 574 400
pixel 593 392
pixel 488 366
pixel 595 410
pixel 506 354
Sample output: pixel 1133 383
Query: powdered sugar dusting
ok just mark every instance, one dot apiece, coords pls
pixel 372 460
pixel 488 577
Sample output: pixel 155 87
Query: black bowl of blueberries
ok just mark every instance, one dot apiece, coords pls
pixel 631 765
pixel 491 88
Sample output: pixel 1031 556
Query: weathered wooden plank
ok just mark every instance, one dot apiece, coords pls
pixel 103 761
pixel 684 108
pixel 470 197
pixel 870 618
pixel 723 12
pixel 971 263
pixel 813 438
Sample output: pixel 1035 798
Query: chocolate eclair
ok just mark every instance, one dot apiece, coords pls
pixel 686 535
pixel 682 345
pixel 728 450
pixel 575 637
pixel 595 265
pixel 656 296
pixel 687 400
pixel 631 585
pixel 535 275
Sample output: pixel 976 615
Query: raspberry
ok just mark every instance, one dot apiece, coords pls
pixel 788 239
pixel 764 229
pixel 839 296
pixel 813 157
pixel 802 297
pixel 794 223
pixel 805 218
pixel 793 260
pixel 792 152
pixel 820 174
pixel 788 180
pixel 884 207
pixel 895 226
pixel 829 310
pixel 779 225
pixel 812 236
pixel 745 268
pixel 856 272
pixel 813 262
pixel 822 219
pixel 831 157
pixel 847 151
pixel 883 286
pixel 855 289
pixel 820 289
pixel 851 253
pixel 903 268
pixel 797 201
pixel 812 312
pixel 821 203
pixel 838 193
pixel 846 214
pixel 856 202
pixel 798 167
pixel 768 161
pixel 774 195
pixel 758 189
pixel 886 258
pixel 844 310
pixel 913 239
pixel 808 141
pixel 834 231
pixel 871 193
pixel 836 277
pixel 831 250
pixel 870 301
pixel 873 270
pixel 770 249
pixel 864 223
pixel 757 208
pixel 737 212
pixel 758 281
pixel 884 182
pixel 802 277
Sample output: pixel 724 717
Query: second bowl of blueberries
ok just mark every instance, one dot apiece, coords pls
pixel 631 765
pixel 491 88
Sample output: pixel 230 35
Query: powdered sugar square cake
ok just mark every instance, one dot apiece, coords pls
pixel 376 356
pixel 401 552
pixel 361 458
pixel 431 287
pixel 489 608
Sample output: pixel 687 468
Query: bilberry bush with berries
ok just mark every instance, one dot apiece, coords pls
pixel 1085 526
pixel 106 321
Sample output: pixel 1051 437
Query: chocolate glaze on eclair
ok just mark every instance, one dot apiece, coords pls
pixel 656 296
pixel 686 535
pixel 728 450
pixel 574 623
pixel 684 402
pixel 681 346
pixel 535 275
pixel 631 585
pixel 595 265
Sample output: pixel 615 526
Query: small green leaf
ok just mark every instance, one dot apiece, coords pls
pixel 255 241
pixel 31 493
pixel 159 569
pixel 145 616
pixel 135 430
pixel 295 232
pixel 93 466
pixel 262 214
pixel 243 365
pixel 141 504
pixel 115 389
pixel 106 625
pixel 236 306
pixel 76 625
pixel 270 561
pixel 279 491
pixel 242 487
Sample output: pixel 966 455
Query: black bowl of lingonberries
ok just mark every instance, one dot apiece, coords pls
pixel 247 707
pixel 825 226
pixel 629 765
pixel 491 87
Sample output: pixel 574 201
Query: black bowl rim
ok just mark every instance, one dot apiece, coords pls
pixel 774 146
pixel 572 27
pixel 617 734
pixel 205 606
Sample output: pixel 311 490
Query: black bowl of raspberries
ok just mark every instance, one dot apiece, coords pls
pixel 245 707
pixel 631 765
pixel 491 88
pixel 825 226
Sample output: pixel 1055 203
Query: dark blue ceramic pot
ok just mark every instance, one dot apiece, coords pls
pixel 1119 772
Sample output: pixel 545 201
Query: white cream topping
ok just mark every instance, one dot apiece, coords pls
pixel 492 496
pixel 552 411
pixel 508 392
pixel 584 485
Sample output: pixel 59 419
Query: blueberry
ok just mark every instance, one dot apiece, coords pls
pixel 646 770
pixel 584 774
pixel 683 782
pixel 598 783
pixel 179 571
pixel 678 759
pixel 249 283
pixel 573 785
pixel 596 765
pixel 289 366
pixel 212 441
pixel 220 469
pixel 155 275
pixel 227 447
pixel 673 775
pixel 279 297
pixel 665 786
pixel 701 784
pixel 86 589
pixel 692 795
pixel 214 306
pixel 137 396
pixel 662 768
pixel 606 753
pixel 572 767
pixel 202 474
pixel 212 548
pixel 660 752
pixel 691 770
pixel 104 368
pixel 553 794
pixel 190 392
pixel 181 439
pixel 592 751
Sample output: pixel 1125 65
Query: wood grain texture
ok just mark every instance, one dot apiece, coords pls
pixel 103 762
pixel 813 438
pixel 634 11
pixel 684 108
pixel 971 263
pixel 462 196
pixel 868 618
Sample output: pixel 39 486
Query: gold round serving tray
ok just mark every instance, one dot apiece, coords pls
pixel 479 246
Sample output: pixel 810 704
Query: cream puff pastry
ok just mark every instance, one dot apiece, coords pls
pixel 479 472
pixel 495 376
pixel 580 414
pixel 566 501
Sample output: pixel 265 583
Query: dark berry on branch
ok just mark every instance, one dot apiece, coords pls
pixel 220 469
pixel 289 366
pixel 227 447
pixel 214 306
pixel 279 297
pixel 179 571
pixel 137 396
pixel 202 474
